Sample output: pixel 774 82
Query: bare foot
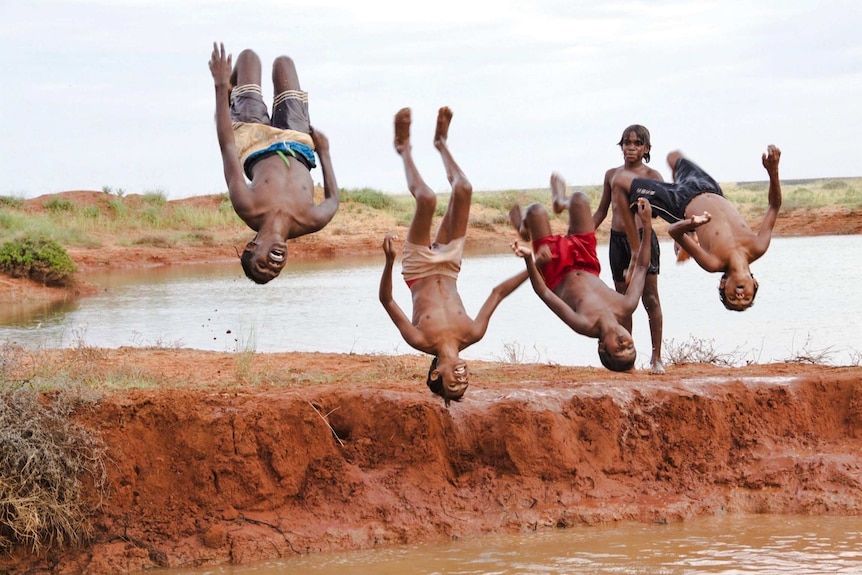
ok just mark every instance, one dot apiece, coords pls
pixel 516 218
pixel 558 193
pixel 656 367
pixel 444 117
pixel 402 130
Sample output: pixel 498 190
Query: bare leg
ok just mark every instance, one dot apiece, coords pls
pixel 247 69
pixel 652 305
pixel 284 75
pixel 516 218
pixel 457 216
pixel 672 158
pixel 580 216
pixel 426 201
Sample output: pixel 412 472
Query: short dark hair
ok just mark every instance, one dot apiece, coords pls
pixel 614 363
pixel 436 384
pixel 246 259
pixel 642 133
pixel 723 296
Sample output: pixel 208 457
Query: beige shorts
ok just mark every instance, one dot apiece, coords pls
pixel 419 262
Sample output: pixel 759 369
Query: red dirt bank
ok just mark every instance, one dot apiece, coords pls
pixel 238 459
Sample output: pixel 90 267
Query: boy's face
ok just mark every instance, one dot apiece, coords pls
pixel 739 290
pixel 633 148
pixel 268 258
pixel 455 377
pixel 619 344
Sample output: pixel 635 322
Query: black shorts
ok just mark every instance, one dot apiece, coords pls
pixel 289 109
pixel 620 254
pixel 669 200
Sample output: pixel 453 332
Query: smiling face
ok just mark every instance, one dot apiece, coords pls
pixel 263 262
pixel 454 376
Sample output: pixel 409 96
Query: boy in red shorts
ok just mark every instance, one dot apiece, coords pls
pixel 565 273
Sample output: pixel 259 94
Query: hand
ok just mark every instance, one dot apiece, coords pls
pixel 645 212
pixel 220 65
pixel 389 247
pixel 697 221
pixel 770 160
pixel 521 250
pixel 321 142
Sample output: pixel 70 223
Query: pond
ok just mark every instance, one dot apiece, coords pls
pixel 808 308
pixel 732 544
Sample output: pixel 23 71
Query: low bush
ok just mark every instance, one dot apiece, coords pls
pixel 38 258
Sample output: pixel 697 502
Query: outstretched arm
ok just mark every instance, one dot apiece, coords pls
pixel 680 232
pixel 641 260
pixel 604 203
pixel 498 294
pixel 411 335
pixel 325 210
pixel 764 234
pixel 240 193
pixel 570 317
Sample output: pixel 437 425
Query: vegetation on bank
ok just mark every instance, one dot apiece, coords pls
pixel 150 219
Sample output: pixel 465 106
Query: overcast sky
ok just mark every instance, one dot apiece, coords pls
pixel 118 93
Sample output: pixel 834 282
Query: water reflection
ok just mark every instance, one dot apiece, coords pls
pixel 807 306
pixel 756 544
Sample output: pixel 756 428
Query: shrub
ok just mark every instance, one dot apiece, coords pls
pixel 59 205
pixel 43 459
pixel 40 259
pixel 368 197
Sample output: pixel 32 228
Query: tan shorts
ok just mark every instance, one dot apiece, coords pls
pixel 419 262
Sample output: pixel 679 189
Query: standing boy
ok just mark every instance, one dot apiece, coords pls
pixel 635 145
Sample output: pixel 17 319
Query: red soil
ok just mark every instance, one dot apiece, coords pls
pixel 235 458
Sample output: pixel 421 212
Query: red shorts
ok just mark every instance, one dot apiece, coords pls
pixel 568 253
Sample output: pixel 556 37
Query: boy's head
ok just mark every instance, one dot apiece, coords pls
pixel 262 262
pixel 448 379
pixel 637 133
pixel 737 291
pixel 617 349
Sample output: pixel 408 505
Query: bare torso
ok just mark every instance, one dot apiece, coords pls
pixel 641 171
pixel 281 192
pixel 439 313
pixel 726 232
pixel 588 295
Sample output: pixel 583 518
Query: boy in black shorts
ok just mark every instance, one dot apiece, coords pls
pixel 635 145
pixel 695 202
pixel 275 154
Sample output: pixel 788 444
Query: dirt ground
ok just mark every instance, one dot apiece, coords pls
pixel 236 458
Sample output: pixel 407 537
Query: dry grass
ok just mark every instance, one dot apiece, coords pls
pixel 45 460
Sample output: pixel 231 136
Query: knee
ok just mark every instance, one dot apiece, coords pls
pixel 426 199
pixel 247 56
pixel 673 157
pixel 652 305
pixel 535 210
pixel 578 200
pixel 462 187
pixel 283 63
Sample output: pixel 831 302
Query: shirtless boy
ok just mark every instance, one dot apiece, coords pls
pixel 440 324
pixel 695 203
pixel 565 273
pixel 275 154
pixel 635 145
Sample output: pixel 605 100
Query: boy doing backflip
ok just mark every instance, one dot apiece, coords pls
pixel 694 203
pixel 635 145
pixel 565 273
pixel 276 154
pixel 440 325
